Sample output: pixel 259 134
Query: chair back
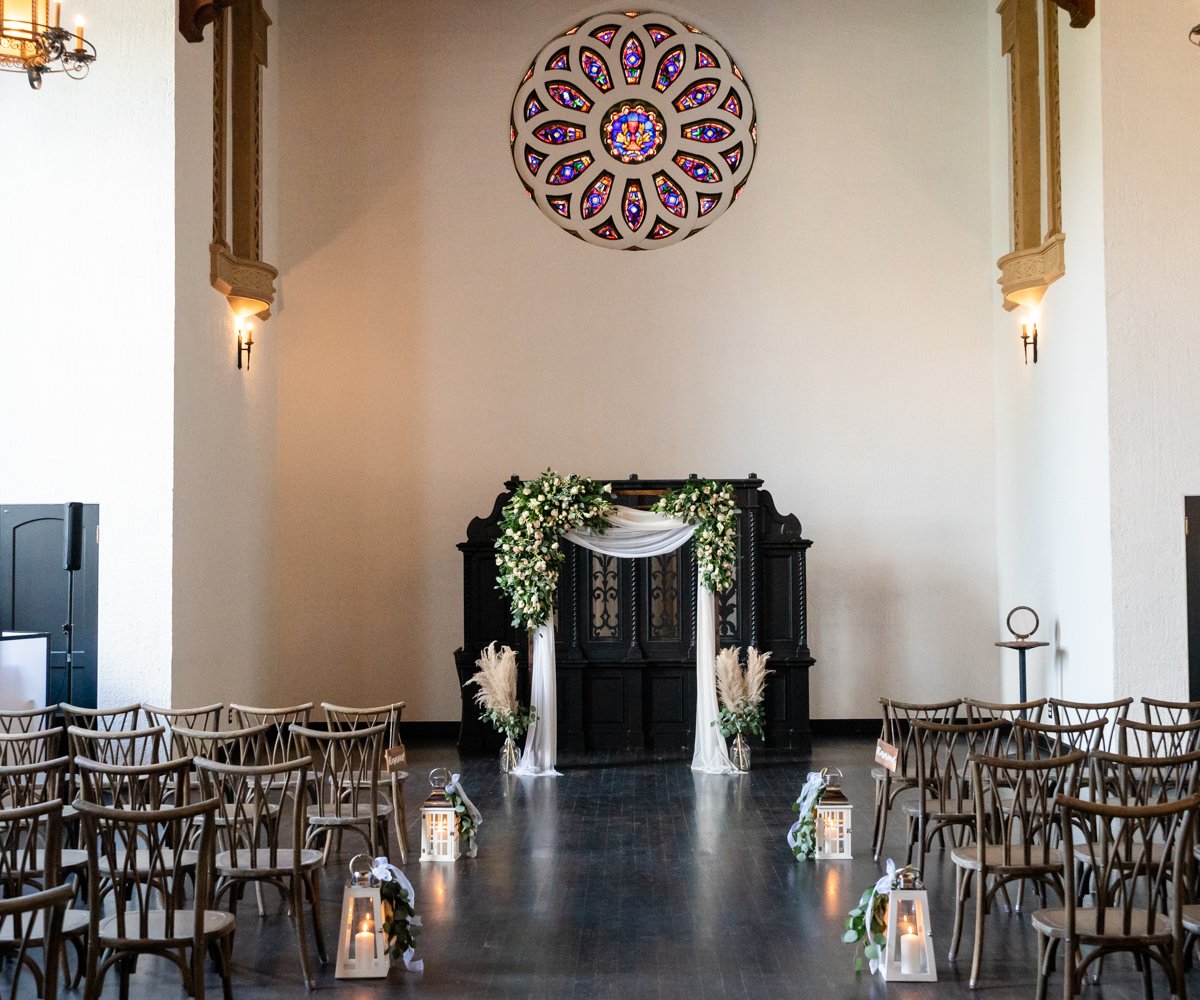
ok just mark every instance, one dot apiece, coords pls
pixel 27 720
pixel 1143 780
pixel 33 784
pixel 249 796
pixel 1161 713
pixel 1146 739
pixel 1015 807
pixel 101 719
pixel 134 786
pixel 282 744
pixel 898 719
pixel 1036 740
pixel 251 745
pixel 30 747
pixel 206 719
pixel 342 719
pixel 135 852
pixel 1073 712
pixel 345 767
pixel 942 751
pixel 134 746
pixel 30 847
pixel 19 919
pixel 1136 855
pixel 985 711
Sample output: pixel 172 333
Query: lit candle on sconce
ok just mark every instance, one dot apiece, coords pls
pixel 1029 336
pixel 79 34
pixel 244 343
pixel 57 13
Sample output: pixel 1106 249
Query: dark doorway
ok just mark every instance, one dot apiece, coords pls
pixel 33 590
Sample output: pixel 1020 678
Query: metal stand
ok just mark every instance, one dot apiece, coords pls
pixel 68 631
pixel 1021 646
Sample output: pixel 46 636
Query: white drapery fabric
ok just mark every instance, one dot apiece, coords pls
pixel 631 534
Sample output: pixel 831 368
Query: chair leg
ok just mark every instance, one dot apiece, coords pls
pixel 883 821
pixel 1043 970
pixel 91 990
pixel 226 952
pixel 297 884
pixel 878 817
pixel 197 973
pixel 962 891
pixel 400 818
pixel 313 879
pixel 980 912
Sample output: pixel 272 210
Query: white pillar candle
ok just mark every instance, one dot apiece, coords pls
pixel 364 944
pixel 910 954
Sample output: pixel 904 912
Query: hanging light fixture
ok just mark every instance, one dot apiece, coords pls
pixel 33 41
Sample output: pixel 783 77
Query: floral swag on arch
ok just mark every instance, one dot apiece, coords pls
pixel 529 556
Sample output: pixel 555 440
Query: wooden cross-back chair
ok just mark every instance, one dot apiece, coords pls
pixel 101 719
pixel 30 747
pixel 30 860
pixel 282 720
pixel 27 720
pixel 1161 713
pixel 1146 739
pixel 133 849
pixel 1019 839
pixel 1036 740
pixel 31 921
pixel 118 746
pixel 391 781
pixel 254 849
pixel 985 711
pixel 944 800
pixel 1133 858
pixel 898 718
pixel 1073 712
pixel 206 718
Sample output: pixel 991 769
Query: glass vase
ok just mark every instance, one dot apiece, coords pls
pixel 741 753
pixel 510 756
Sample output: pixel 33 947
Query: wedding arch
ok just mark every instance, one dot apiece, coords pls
pixel 529 555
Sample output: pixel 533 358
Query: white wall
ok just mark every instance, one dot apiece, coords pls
pixel 1151 146
pixel 224 470
pixel 1054 551
pixel 832 333
pixel 87 277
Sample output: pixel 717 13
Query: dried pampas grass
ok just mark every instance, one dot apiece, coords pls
pixel 497 680
pixel 738 687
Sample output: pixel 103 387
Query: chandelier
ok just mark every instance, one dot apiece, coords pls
pixel 33 41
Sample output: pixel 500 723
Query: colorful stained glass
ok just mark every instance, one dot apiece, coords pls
pixel 733 104
pixel 561 205
pixel 705 59
pixel 597 195
pixel 708 131
pixel 534 159
pixel 670 194
pixel 606 34
pixel 754 133
pixel 569 169
pixel 733 156
pixel 738 73
pixel 533 107
pixel 697 94
pixel 669 68
pixel 633 207
pixel 568 97
pixel 658 33
pixel 595 69
pixel 698 168
pixel 633 132
pixel 632 59
pixel 708 202
pixel 556 133
pixel 661 230
pixel 559 60
pixel 607 231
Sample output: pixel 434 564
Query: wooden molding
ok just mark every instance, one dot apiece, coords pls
pixel 246 283
pixel 195 14
pixel 1081 11
pixel 1026 274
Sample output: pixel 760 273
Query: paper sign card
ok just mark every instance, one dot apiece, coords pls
pixel 395 758
pixel 886 754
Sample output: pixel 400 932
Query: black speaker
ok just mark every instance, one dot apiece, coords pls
pixel 72 536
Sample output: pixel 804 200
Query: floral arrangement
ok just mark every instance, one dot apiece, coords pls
pixel 528 552
pixel 740 691
pixel 710 506
pixel 866 924
pixel 802 837
pixel 401 924
pixel 497 694
pixel 468 816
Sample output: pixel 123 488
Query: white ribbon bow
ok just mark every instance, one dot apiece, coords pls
pixel 813 786
pixel 455 786
pixel 882 885
pixel 384 871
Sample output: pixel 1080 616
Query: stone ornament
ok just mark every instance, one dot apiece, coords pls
pixel 633 130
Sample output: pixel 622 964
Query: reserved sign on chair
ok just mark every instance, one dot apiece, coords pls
pixel 886 754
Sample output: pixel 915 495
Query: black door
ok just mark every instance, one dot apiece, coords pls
pixel 33 591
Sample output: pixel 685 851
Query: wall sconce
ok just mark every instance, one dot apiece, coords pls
pixel 243 347
pixel 1029 337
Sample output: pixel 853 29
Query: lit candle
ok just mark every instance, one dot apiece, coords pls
pixel 910 950
pixel 58 13
pixel 364 942
pixel 79 35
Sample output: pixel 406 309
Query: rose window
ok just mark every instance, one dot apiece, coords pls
pixel 633 130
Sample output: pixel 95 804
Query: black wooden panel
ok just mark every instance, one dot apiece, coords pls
pixel 779 599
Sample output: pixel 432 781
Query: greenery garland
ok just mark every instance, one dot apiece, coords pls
pixel 803 835
pixel 466 822
pixel 866 927
pixel 711 507
pixel 400 921
pixel 529 554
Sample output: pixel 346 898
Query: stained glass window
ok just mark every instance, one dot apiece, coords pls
pixel 606 129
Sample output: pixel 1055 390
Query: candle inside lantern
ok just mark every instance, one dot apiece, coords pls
pixel 910 950
pixel 364 942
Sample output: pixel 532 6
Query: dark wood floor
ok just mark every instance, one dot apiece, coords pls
pixel 632 877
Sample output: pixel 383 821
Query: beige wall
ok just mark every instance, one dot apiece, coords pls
pixel 832 333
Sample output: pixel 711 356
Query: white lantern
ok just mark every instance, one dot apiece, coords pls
pixel 362 941
pixel 908 954
pixel 439 821
pixel 833 823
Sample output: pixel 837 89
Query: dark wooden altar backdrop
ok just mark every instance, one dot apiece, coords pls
pixel 625 631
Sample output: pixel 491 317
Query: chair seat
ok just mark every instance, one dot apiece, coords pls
pixel 141 861
pixel 1053 923
pixel 343 813
pixel 993 855
pixel 931 809
pixel 74 922
pixel 70 860
pixel 879 773
pixel 216 924
pixel 1191 918
pixel 236 864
